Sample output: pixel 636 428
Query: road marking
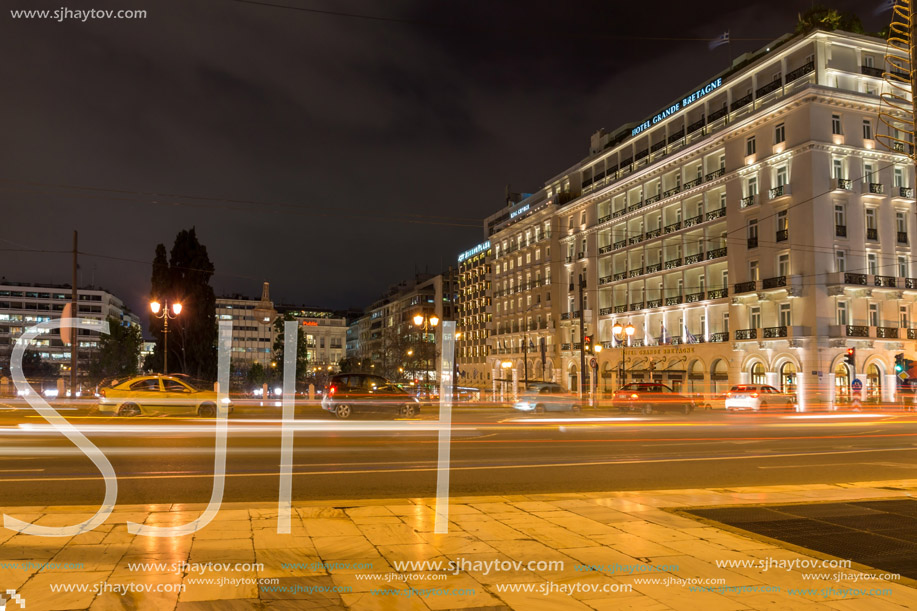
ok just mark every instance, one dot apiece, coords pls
pixel 478 468
pixel 20 470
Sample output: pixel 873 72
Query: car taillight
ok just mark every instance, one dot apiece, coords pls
pixel 634 396
pixel 332 390
pixel 728 395
pixel 102 392
pixel 754 395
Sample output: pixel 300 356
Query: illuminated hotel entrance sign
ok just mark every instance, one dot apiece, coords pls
pixel 474 251
pixel 678 106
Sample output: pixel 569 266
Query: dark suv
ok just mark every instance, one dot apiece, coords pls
pixel 648 397
pixel 362 393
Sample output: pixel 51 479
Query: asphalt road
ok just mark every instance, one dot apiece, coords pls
pixel 493 451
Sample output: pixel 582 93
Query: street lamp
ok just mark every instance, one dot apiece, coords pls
pixel 506 367
pixel 425 323
pixel 621 335
pixel 166 316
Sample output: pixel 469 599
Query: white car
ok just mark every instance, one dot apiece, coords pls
pixel 758 398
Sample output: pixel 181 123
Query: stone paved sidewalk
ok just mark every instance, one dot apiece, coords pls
pixel 342 555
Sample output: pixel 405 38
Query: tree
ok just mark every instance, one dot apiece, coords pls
pixel 33 366
pixel 824 18
pixel 302 351
pixel 185 279
pixel 352 364
pixel 118 355
pixel 256 375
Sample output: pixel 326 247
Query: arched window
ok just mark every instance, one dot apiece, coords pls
pixel 757 373
pixel 873 383
pixel 719 378
pixel 788 378
pixel 841 383
pixel 696 377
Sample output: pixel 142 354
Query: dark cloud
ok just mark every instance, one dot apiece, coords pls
pixel 331 155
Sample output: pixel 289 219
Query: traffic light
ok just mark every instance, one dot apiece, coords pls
pixel 850 357
pixel 587 344
pixel 899 362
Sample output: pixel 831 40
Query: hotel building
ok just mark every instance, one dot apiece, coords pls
pixel 751 231
pixel 473 314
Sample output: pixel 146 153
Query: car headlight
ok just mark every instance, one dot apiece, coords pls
pixel 226 400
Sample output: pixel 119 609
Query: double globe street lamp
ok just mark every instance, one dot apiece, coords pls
pixel 426 323
pixel 621 335
pixel 165 316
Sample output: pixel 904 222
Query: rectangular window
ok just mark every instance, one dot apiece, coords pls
pixel 779 133
pixel 840 215
pixel 870 218
pixel 782 224
pixel 904 319
pixel 872 263
pixel 902 266
pixel 785 315
pixel 901 222
pixel 842 312
pixel 782 176
pixel 837 168
pixel 755 322
pixel 582 218
pixel 873 315
pixel 783 264
pixel 726 322
pixel 869 172
pixel 753 271
pixel 867 129
pixel 750 146
pixel 836 124
pixel 840 260
pixel 899 177
pixel 752 186
pixel 752 229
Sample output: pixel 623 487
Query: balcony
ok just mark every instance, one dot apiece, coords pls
pixel 694 297
pixel 637 305
pixel 774 332
pixel 671 192
pixel 676 136
pixel 604 311
pixel 604 280
pixel 565 315
pixel 902 237
pixel 743 101
pixel 752 242
pixel 842 184
pixel 569 258
pixel 570 287
pixel 673 263
pixel 693 127
pixel 620 276
pixel 620 309
pixel 872 233
pixel 672 228
pixel 620 244
pixel 766 89
pixel 653 199
pixel 748 201
pixel 717 114
pixel 906 192
pixel 885 281
pixel 715 174
pixel 746 334
pixel 876 188
pixel 910 283
pixel 777 192
pixel 654 303
pixel 856 330
pixel 693 183
pixel 716 253
pixel 602 219
pixel 800 72
pixel 840 231
pixel 715 214
pixel 565 346
pixel 694 220
pixel 717 293
pixel 633 273
pixel 580 255
pixel 912 333
pixel 871 71
pixel 605 249
pixel 773 283
pixel 653 268
pixel 670 301
pixel 719 337
pixel 695 258
pixel 746 287
pixel 636 206
pixel 887 332
pixel 618 213
pixel 653 233
pixel 635 239
pixel 782 235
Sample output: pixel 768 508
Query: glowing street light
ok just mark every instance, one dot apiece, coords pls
pixel 157 307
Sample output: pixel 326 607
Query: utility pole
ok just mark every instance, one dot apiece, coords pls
pixel 525 355
pixel 74 332
pixel 582 335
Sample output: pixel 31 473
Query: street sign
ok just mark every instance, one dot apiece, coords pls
pixel 857 385
pixel 902 375
pixel 593 363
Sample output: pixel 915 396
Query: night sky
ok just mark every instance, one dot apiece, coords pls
pixel 328 154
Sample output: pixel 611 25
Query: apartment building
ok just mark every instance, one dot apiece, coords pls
pixel 473 314
pixel 253 332
pixel 751 231
pixel 326 336
pixel 24 304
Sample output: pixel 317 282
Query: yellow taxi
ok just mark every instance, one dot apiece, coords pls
pixel 158 394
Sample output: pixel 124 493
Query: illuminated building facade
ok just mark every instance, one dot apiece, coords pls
pixel 473 313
